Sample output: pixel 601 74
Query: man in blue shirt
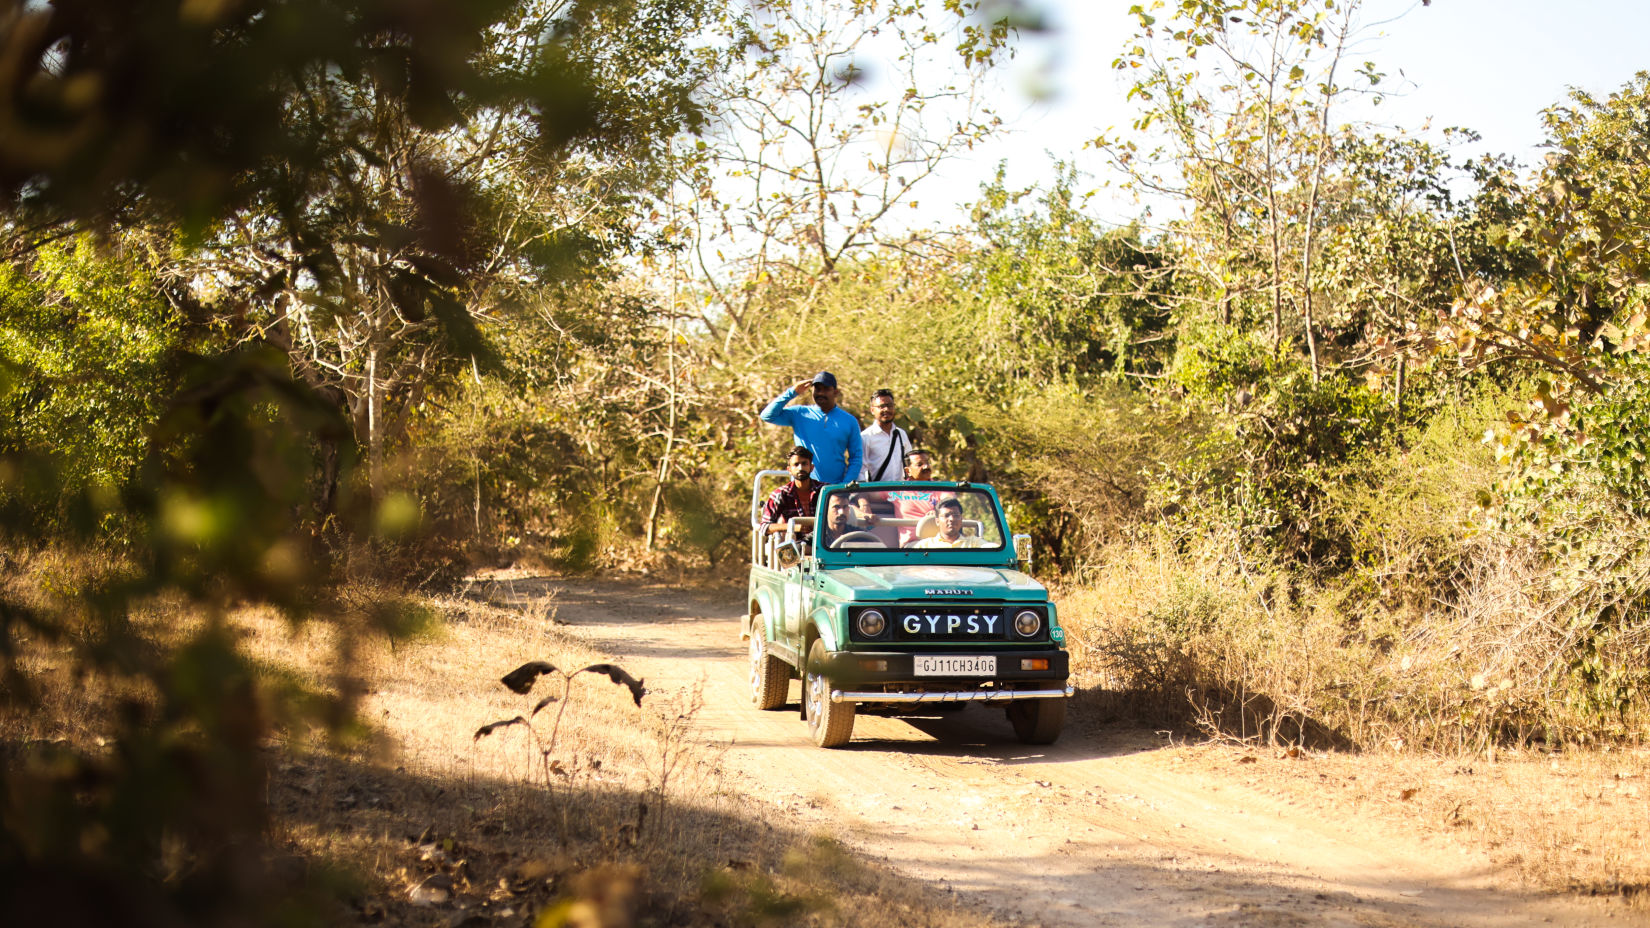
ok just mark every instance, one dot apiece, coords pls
pixel 826 429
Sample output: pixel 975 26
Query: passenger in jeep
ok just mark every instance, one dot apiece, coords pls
pixel 914 504
pixel 919 465
pixel 867 515
pixel 948 518
pixel 871 508
pixel 794 497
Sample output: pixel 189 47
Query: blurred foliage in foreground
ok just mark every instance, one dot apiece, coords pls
pixel 242 241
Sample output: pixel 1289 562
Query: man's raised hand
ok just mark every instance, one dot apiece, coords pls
pixel 803 386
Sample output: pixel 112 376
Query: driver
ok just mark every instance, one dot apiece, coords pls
pixel 836 520
pixel 948 518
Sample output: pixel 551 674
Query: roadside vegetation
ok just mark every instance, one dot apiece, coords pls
pixel 1342 444
pixel 407 816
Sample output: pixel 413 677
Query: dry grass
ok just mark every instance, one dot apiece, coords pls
pixel 1211 644
pixel 1575 821
pixel 1429 722
pixel 72 708
pixel 623 809
pixel 622 822
pixel 1208 644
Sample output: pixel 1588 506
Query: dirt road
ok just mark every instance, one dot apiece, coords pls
pixel 1107 827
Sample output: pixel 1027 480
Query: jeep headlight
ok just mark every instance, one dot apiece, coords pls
pixel 1028 623
pixel 871 623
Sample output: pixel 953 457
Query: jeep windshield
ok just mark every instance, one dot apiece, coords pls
pixel 921 516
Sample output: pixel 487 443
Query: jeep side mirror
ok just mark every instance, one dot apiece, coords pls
pixel 1022 551
pixel 789 554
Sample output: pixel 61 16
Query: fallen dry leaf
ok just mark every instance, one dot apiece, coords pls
pixel 1248 759
pixel 619 675
pixel 522 678
pixel 491 727
pixel 433 890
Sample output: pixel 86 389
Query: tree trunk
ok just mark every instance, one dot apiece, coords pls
pixel 375 449
pixel 475 444
pixel 1312 200
pixel 1274 220
pixel 670 433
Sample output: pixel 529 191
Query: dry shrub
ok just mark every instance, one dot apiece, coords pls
pixel 1071 462
pixel 1521 656
pixel 1183 641
pixel 1406 511
pixel 1446 632
pixel 1206 642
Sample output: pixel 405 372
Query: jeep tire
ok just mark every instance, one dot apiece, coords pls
pixel 770 676
pixel 830 723
pixel 1037 721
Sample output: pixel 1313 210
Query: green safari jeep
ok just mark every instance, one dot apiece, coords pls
pixel 901 594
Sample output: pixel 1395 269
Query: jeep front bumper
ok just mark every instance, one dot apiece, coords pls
pixel 889 676
pixel 992 695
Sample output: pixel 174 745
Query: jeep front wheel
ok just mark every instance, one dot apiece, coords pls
pixel 830 723
pixel 770 677
pixel 1037 721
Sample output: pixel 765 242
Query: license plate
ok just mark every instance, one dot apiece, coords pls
pixel 953 665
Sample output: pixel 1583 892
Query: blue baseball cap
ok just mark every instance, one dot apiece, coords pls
pixel 825 379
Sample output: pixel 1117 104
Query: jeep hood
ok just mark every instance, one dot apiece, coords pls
pixel 901 581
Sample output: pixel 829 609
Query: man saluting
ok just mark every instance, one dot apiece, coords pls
pixel 827 430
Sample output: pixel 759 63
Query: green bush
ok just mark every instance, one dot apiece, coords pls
pixel 91 345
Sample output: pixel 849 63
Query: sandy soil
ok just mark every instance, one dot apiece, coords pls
pixel 1111 826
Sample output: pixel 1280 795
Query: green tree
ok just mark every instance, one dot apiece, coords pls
pixel 1243 97
pixel 1579 313
pixel 183 107
pixel 90 342
pixel 382 278
pixel 1061 296
pixel 1575 319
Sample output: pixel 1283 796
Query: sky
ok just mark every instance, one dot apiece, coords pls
pixel 1487 65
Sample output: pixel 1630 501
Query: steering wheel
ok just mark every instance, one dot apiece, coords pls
pixel 858 536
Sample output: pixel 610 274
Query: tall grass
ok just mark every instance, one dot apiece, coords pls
pixel 1449 634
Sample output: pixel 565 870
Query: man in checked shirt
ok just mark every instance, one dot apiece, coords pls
pixel 795 497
